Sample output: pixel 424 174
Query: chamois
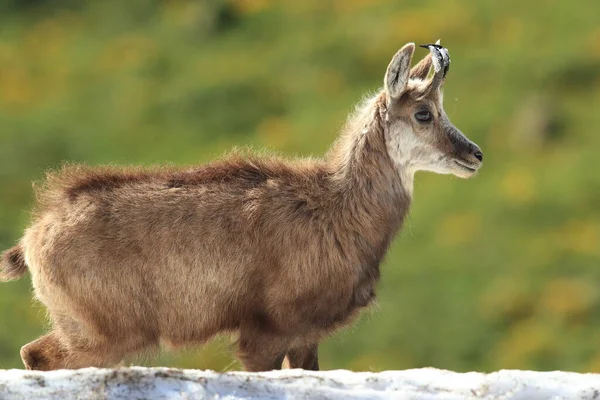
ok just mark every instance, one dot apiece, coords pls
pixel 280 253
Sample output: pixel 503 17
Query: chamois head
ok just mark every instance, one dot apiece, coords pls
pixel 419 135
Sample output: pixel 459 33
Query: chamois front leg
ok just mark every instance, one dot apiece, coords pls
pixel 261 352
pixel 303 357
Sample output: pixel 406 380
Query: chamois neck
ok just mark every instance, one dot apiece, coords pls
pixel 368 184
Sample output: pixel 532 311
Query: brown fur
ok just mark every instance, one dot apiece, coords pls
pixel 282 253
pixel 13 264
pixel 421 70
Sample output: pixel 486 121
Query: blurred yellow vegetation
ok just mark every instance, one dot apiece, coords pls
pixel 457 21
pixel 37 69
pixel 540 250
pixel 518 185
pixel 459 229
pixel 594 365
pixel 365 362
pixel 274 132
pixel 15 87
pixel 505 299
pixel 594 42
pixel 507 31
pixel 298 8
pixel 227 67
pixel 527 340
pixel 126 52
pixel 497 135
pixel 352 6
pixel 185 14
pixel 46 40
pixel 330 82
pixel 250 6
pixel 568 298
pixel 579 236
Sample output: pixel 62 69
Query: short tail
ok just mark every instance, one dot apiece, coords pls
pixel 12 264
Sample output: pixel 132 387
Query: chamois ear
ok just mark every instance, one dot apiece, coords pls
pixel 421 70
pixel 398 72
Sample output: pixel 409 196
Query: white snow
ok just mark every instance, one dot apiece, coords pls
pixel 417 384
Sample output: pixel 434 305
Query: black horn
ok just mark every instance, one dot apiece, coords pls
pixel 441 63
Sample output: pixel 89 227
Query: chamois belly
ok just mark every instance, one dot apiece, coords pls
pixel 327 310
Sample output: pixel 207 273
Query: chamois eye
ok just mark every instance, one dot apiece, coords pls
pixel 423 116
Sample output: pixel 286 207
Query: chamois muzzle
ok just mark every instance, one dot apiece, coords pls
pixel 467 156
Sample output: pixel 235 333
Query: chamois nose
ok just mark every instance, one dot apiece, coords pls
pixel 478 155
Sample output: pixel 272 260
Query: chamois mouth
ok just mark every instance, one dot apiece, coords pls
pixel 465 166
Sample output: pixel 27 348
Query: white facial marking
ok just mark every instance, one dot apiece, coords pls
pixel 400 145
pixel 412 154
pixel 411 151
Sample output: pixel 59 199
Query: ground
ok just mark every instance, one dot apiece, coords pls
pixel 165 383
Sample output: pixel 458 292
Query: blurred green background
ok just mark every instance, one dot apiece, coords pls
pixel 501 271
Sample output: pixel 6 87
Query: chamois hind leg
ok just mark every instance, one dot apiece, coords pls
pixel 73 344
pixel 260 352
pixel 50 352
pixel 89 347
pixel 303 357
pixel 44 354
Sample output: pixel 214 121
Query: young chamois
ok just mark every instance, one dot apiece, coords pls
pixel 281 253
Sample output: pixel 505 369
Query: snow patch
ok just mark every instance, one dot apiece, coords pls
pixel 417 384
